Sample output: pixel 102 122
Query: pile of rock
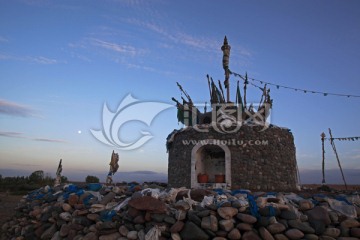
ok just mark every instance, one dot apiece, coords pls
pixel 153 212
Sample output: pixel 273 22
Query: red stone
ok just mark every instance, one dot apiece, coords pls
pixel 133 212
pixel 177 227
pixel 250 235
pixel 148 203
pixel 73 199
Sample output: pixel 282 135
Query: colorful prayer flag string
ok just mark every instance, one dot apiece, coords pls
pixel 344 138
pixel 278 86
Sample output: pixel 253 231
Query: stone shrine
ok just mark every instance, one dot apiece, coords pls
pixel 232 146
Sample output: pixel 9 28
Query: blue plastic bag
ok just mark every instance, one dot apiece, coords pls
pixel 94 186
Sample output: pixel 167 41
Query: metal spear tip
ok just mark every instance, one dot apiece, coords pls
pixel 225 41
pixel 225 46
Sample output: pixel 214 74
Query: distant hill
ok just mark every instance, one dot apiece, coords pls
pixel 138 176
pixel 332 176
pixel 307 176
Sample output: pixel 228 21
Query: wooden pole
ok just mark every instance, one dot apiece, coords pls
pixel 337 157
pixel 245 84
pixel 222 92
pixel 323 157
pixel 228 86
pixel 208 78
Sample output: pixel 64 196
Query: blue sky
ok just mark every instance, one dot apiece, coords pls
pixel 60 61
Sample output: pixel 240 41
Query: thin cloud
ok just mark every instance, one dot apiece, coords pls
pixel 152 27
pixel 356 157
pixel 15 109
pixel 191 41
pixel 21 135
pixel 38 3
pixel 3 39
pixel 43 60
pixel 30 59
pixel 81 57
pixel 124 49
pixel 26 165
pixel 12 134
pixel 178 37
pixel 49 140
pixel 170 39
pixel 150 69
pixel 7 57
pixel 51 4
pixel 77 45
pixel 130 3
pixel 130 65
pixel 72 50
pixel 138 5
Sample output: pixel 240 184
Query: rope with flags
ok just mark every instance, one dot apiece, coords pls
pixel 344 138
pixel 278 86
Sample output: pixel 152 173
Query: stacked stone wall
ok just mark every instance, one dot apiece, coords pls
pixel 260 159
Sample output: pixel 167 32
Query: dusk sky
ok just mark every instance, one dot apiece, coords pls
pixel 61 61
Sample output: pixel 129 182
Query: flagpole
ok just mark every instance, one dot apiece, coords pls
pixel 226 56
pixel 323 157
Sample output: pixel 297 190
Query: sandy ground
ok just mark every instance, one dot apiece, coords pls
pixel 8 203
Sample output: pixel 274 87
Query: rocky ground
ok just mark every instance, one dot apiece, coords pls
pixel 153 211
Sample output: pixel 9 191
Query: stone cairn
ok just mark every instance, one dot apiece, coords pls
pixel 153 211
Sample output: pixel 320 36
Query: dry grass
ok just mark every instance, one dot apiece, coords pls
pixel 339 187
pixel 8 203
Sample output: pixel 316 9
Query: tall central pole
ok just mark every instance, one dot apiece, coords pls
pixel 226 56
